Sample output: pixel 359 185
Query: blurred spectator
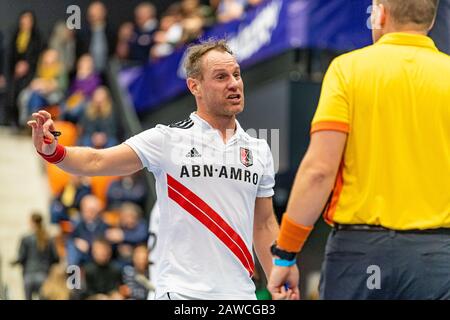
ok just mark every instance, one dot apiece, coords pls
pixel 132 231
pixel 124 35
pixel 230 10
pixel 86 81
pixel 102 278
pixel 62 40
pixel 47 88
pixel 98 127
pixel 142 37
pixel 2 82
pixel 193 19
pixel 253 3
pixel 66 205
pixel 37 253
pixel 24 53
pixel 153 245
pixel 55 286
pixel 90 227
pixel 2 62
pixel 130 188
pixel 169 34
pixel 98 39
pixel 136 277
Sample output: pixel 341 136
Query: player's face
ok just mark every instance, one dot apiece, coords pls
pixel 221 87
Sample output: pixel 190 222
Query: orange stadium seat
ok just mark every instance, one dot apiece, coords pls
pixel 100 186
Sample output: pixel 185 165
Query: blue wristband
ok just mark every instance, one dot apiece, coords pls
pixel 284 263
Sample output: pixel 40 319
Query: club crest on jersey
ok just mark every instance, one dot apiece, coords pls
pixel 246 157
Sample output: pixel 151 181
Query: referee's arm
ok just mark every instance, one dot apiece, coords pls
pixel 316 177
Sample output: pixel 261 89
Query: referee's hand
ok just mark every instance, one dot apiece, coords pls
pixel 43 139
pixel 281 277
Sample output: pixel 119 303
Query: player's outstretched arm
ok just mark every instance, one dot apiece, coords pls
pixel 115 161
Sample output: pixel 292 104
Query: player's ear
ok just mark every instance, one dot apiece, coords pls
pixel 193 85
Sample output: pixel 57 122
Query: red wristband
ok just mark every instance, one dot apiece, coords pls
pixel 55 157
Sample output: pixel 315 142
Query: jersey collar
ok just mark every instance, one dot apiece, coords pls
pixel 407 39
pixel 205 126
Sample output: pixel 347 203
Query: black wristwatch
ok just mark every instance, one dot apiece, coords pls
pixel 285 255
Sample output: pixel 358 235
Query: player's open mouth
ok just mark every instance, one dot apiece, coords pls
pixel 235 97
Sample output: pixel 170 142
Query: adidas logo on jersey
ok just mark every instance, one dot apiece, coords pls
pixel 193 153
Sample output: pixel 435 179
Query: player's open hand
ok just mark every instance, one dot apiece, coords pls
pixel 43 139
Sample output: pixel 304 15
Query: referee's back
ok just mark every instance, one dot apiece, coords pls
pixel 394 98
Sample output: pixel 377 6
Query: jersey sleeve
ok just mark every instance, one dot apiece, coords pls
pixel 148 145
pixel 333 110
pixel 267 182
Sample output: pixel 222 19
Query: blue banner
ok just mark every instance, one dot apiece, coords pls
pixel 273 27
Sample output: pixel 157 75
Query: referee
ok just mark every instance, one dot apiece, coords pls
pixel 378 166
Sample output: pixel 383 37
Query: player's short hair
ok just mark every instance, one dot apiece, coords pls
pixel 193 60
pixel 420 12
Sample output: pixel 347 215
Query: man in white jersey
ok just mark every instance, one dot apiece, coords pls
pixel 214 183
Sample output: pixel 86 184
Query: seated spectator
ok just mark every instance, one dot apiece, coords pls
pixel 169 34
pixel 98 127
pixel 102 278
pixel 124 35
pixel 66 205
pixel 142 37
pixel 136 277
pixel 88 228
pixel 230 10
pixel 132 231
pixel 62 40
pixel 130 188
pixel 47 88
pixel 81 90
pixel 37 253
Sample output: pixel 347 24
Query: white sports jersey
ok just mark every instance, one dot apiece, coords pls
pixel 206 193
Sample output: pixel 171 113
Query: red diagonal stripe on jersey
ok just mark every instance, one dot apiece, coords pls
pixel 210 219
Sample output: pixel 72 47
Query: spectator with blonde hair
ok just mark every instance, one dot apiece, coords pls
pixel 55 286
pixel 47 88
pixel 98 123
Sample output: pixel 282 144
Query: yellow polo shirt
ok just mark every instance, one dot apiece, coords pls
pixel 393 100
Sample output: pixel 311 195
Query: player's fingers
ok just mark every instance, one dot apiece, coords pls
pixel 39 119
pixel 32 124
pixel 45 114
pixel 294 294
pixel 47 126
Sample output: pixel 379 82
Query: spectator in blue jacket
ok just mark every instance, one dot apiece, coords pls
pixel 130 188
pixel 145 25
pixel 89 228
pixel 132 231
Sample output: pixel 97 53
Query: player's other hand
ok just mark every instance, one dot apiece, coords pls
pixel 43 139
pixel 281 277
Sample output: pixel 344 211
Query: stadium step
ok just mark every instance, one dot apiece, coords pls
pixel 23 189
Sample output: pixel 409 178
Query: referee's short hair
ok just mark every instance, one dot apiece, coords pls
pixel 420 12
pixel 193 60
